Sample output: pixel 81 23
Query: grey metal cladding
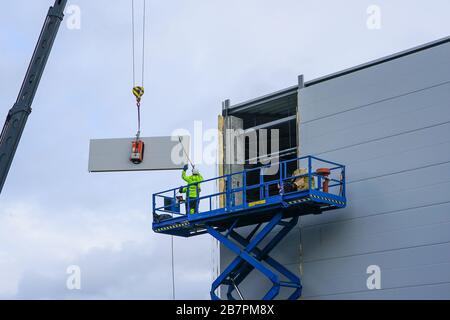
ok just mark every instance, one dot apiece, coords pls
pixel 415 72
pixel 390 125
pixel 408 277
pixel 424 187
pixel 413 112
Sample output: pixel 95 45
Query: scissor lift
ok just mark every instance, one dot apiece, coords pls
pixel 271 206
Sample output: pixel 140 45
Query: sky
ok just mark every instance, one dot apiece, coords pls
pixel 54 214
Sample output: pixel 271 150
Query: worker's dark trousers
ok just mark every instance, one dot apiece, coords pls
pixel 193 204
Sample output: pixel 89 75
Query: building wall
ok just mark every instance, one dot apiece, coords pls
pixel 390 125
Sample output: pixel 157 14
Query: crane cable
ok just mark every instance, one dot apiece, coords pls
pixel 173 270
pixel 138 90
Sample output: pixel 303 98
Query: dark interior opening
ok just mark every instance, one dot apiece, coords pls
pixel 278 113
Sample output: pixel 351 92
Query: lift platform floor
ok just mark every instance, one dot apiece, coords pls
pixel 293 204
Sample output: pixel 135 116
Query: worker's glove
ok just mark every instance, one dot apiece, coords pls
pixel 185 167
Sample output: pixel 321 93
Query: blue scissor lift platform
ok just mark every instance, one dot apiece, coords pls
pixel 272 205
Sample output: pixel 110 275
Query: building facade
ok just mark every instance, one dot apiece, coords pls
pixel 388 121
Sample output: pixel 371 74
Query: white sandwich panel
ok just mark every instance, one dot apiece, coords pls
pixel 160 153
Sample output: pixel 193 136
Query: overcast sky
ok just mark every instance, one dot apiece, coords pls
pixel 54 214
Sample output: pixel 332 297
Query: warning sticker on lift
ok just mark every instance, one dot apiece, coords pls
pixel 256 203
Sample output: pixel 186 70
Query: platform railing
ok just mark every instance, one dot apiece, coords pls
pixel 244 195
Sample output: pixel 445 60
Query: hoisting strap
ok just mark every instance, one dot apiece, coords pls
pixel 138 92
pixel 138 134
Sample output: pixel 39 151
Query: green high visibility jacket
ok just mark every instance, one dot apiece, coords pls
pixel 194 184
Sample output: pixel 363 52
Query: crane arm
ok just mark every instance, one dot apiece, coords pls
pixel 18 114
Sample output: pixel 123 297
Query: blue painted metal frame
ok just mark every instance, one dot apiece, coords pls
pixel 283 209
pixel 250 257
pixel 180 221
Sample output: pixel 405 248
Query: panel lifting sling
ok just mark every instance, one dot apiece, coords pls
pixel 138 146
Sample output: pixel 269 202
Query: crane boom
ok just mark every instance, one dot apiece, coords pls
pixel 18 114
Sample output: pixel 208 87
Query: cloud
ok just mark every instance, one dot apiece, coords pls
pixel 119 256
pixel 130 272
pixel 53 213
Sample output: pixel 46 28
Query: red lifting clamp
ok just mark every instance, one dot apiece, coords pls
pixel 137 151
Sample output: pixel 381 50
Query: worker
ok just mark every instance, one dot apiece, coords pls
pixel 193 189
pixel 300 182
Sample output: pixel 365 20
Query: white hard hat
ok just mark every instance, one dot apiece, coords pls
pixel 195 171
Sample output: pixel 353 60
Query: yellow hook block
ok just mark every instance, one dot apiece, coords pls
pixel 138 92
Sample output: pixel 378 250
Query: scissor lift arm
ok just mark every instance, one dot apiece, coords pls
pixel 250 257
